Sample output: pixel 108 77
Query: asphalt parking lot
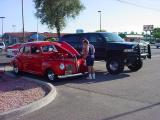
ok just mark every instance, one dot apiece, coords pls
pixel 127 96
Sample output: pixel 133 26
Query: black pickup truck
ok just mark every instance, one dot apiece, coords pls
pixel 113 49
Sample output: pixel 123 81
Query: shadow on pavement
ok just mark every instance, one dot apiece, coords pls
pixel 101 76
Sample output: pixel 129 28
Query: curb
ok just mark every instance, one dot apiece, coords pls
pixel 3 64
pixel 33 106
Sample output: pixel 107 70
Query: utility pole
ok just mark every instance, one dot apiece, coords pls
pixel 100 20
pixel 23 22
pixel 37 28
pixel 2 26
pixel 13 27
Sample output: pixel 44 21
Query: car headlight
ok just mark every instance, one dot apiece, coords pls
pixel 62 66
pixel 128 50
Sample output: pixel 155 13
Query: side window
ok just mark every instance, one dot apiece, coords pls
pixel 70 38
pixel 21 49
pixel 26 50
pixel 49 48
pixel 93 38
pixel 35 50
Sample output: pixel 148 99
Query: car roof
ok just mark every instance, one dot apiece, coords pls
pixel 39 43
pixel 85 33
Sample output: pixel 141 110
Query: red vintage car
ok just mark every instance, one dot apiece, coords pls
pixel 50 59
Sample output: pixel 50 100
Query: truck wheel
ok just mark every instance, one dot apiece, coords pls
pixel 51 76
pixel 115 65
pixel 135 66
pixel 0 50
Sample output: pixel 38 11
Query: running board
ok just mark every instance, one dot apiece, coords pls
pixel 73 75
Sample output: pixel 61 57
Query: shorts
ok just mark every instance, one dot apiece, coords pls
pixel 89 61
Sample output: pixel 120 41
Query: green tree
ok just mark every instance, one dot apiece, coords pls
pixel 122 35
pixel 132 33
pixel 156 32
pixel 55 13
pixel 100 30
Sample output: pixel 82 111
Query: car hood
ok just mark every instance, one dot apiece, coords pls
pixel 121 45
pixel 67 47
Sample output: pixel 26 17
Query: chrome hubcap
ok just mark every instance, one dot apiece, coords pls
pixel 16 69
pixel 51 76
pixel 113 66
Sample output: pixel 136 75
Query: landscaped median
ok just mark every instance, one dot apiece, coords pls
pixel 22 95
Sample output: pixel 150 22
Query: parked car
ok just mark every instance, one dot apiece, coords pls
pixel 2 46
pixel 110 47
pixel 50 59
pixel 12 50
pixel 157 44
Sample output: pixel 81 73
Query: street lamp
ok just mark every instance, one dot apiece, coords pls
pixel 37 28
pixel 100 20
pixel 13 26
pixel 23 22
pixel 2 26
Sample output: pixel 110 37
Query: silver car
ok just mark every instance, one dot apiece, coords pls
pixel 2 46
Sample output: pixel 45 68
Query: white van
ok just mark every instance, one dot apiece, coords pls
pixel 2 46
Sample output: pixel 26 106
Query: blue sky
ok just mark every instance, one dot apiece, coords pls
pixel 116 16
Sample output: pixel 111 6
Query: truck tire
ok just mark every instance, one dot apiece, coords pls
pixel 115 65
pixel 1 50
pixel 136 66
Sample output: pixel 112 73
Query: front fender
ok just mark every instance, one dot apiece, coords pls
pixel 54 66
pixel 18 63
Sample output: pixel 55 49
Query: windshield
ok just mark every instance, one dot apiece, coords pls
pixel 111 37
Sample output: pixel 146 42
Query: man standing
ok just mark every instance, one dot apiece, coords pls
pixel 88 54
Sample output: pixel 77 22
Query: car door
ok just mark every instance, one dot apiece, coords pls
pixel 36 59
pixel 25 58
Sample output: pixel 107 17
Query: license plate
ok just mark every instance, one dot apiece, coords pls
pixel 68 72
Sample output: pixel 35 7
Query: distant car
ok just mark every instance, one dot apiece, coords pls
pixel 50 59
pixel 157 44
pixel 12 50
pixel 2 46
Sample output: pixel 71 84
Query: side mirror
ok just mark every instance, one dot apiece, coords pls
pixel 37 51
pixel 50 50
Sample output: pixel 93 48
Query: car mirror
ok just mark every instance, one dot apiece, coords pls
pixel 50 49
pixel 37 51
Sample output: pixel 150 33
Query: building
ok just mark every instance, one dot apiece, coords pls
pixel 134 38
pixel 17 37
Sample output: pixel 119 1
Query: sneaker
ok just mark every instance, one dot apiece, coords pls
pixel 94 76
pixel 89 77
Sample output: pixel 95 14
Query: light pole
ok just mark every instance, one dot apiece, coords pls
pixel 2 26
pixel 13 27
pixel 37 28
pixel 23 22
pixel 100 20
